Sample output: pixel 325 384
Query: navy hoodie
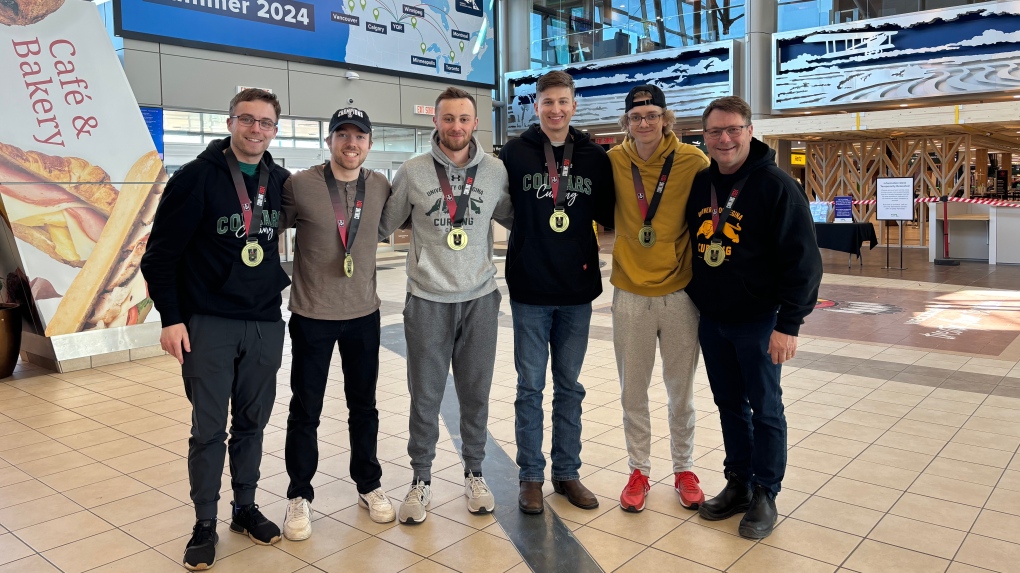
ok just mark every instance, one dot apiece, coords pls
pixel 544 267
pixel 192 264
pixel 772 260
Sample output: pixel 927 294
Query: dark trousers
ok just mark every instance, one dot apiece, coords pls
pixel 745 384
pixel 312 347
pixel 231 362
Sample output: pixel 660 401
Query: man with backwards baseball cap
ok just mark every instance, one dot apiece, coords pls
pixel 335 208
pixel 653 173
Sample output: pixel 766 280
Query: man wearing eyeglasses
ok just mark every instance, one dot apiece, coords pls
pixel 213 271
pixel 335 208
pixel 653 171
pixel 756 274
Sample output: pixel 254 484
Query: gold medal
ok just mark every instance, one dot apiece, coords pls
pixel 715 254
pixel 559 220
pixel 252 253
pixel 457 239
pixel 349 265
pixel 646 236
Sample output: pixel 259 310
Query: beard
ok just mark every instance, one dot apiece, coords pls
pixel 349 163
pixel 455 145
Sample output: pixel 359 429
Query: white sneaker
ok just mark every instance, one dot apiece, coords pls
pixel 297 522
pixel 418 498
pixel 378 505
pixel 479 498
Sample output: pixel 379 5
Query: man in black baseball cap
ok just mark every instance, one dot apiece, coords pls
pixel 335 208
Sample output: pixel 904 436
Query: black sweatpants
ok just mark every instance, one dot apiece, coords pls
pixel 312 342
pixel 231 362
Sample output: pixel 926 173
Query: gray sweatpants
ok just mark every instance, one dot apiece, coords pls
pixel 637 322
pixel 438 333
pixel 231 362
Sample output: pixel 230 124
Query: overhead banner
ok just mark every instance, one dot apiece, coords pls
pixel 79 175
pixel 690 78
pixel 445 40
pixel 961 51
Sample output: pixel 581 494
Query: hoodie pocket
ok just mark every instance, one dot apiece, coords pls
pixel 251 287
pixel 551 267
pixel 441 269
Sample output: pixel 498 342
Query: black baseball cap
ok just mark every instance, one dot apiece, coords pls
pixel 658 98
pixel 350 116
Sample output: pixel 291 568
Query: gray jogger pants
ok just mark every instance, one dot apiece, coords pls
pixel 437 334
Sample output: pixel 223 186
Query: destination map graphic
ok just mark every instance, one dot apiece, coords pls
pixel 441 39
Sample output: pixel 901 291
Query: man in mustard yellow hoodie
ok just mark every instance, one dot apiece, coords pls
pixel 653 172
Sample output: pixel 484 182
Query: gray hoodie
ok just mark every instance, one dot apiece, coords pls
pixel 435 271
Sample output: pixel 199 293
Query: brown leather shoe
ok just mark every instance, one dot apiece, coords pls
pixel 530 500
pixel 576 493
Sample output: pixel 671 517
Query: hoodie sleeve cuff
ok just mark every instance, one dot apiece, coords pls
pixel 170 316
pixel 788 326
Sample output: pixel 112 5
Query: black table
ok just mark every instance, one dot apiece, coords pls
pixel 846 237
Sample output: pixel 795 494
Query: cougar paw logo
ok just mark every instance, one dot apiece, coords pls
pixel 436 207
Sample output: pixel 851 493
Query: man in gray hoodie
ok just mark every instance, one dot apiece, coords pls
pixel 450 315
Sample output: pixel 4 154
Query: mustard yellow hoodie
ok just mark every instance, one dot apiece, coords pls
pixel 665 267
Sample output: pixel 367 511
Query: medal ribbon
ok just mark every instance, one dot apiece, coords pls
pixel 648 210
pixel 720 218
pixel 347 232
pixel 457 208
pixel 247 211
pixel 554 176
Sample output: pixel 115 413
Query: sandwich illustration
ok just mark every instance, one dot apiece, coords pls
pixel 26 12
pixel 83 221
pixel 109 290
pixel 58 205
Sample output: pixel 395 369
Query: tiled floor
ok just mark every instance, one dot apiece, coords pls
pixel 902 454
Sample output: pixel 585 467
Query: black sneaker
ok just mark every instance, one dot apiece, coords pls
pixel 248 520
pixel 200 553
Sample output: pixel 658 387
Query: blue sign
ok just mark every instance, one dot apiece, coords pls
pixel 154 121
pixel 445 40
pixel 844 209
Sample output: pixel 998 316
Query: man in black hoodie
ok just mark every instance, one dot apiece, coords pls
pixel 213 270
pixel 560 181
pixel 756 276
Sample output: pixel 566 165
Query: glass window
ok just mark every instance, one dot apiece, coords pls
pixel 801 14
pixel 568 32
pixel 393 138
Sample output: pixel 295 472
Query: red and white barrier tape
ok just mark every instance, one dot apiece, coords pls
pixel 992 202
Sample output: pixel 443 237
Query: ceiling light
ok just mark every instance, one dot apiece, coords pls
pixel 610 133
pixel 903 105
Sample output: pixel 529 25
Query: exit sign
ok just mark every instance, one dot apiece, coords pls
pixel 425 110
pixel 605 140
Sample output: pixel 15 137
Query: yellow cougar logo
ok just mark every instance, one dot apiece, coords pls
pixel 729 230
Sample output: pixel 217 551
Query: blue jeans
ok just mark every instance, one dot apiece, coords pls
pixel 537 329
pixel 745 384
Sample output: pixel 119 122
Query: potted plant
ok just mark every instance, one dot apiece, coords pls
pixel 11 289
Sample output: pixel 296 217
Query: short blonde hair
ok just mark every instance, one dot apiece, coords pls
pixel 668 118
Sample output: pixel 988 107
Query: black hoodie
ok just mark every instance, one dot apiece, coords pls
pixel 772 260
pixel 544 267
pixel 192 264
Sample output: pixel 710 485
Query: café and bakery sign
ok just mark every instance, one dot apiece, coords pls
pixel 79 174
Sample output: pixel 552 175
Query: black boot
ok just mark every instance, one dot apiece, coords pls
pixel 760 517
pixel 733 499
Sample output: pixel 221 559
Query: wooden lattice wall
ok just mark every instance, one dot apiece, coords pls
pixel 939 165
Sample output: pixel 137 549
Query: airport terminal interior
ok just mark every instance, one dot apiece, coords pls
pixel 903 399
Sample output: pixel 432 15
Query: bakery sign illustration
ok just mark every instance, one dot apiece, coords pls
pixel 79 175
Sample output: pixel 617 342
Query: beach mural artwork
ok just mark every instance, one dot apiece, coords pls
pixel 689 77
pixel 959 51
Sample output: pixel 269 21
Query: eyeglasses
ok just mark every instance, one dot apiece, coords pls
pixel 732 131
pixel 636 119
pixel 248 121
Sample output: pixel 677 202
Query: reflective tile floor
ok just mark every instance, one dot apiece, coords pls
pixel 903 406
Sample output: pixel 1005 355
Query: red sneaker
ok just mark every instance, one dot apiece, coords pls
pixel 633 497
pixel 687 488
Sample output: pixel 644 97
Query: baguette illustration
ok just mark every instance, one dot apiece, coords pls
pixel 57 204
pixel 25 12
pixel 109 291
